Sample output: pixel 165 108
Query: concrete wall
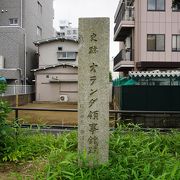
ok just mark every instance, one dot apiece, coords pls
pixel 22 99
pixel 13 8
pixel 31 19
pixel 155 22
pixel 66 84
pixel 48 52
pixel 12 40
pixel 28 18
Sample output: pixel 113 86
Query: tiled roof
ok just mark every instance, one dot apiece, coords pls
pixel 62 39
pixel 54 66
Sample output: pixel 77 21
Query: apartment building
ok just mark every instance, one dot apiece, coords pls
pixel 67 31
pixel 148 32
pixel 21 23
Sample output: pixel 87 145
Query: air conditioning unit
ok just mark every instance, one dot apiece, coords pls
pixel 63 98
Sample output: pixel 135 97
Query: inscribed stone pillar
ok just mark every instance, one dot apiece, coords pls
pixel 93 89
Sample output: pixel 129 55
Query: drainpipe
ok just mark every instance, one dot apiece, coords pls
pixel 20 72
pixel 21 14
pixel 25 71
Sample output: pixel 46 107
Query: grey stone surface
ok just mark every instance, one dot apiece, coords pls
pixel 93 88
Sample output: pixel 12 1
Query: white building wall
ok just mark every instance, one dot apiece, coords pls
pixel 48 52
pixel 67 84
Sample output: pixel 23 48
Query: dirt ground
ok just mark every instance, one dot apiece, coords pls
pixel 47 117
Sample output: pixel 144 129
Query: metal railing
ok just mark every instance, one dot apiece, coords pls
pixel 18 89
pixel 126 13
pixel 116 113
pixel 124 55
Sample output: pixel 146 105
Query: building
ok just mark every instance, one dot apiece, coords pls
pixel 148 32
pixel 21 23
pixel 56 79
pixel 67 31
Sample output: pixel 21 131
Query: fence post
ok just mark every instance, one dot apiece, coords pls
pixel 16 116
pixel 116 119
pixel 14 89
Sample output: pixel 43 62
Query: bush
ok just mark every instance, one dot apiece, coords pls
pixel 5 129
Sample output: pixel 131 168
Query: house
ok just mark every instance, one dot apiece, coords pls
pixel 21 23
pixel 148 32
pixel 56 79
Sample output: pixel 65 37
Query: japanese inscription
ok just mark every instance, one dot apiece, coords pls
pixel 93 144
pixel 93 89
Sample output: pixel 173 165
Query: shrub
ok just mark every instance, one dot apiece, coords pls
pixel 4 127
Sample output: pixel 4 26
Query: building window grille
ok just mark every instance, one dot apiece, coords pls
pixel 155 42
pixel 156 5
pixel 13 21
pixel 175 42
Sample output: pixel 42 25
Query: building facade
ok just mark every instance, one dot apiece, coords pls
pixel 67 31
pixel 56 79
pixel 21 23
pixel 148 32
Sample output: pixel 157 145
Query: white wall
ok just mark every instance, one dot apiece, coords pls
pixel 48 52
pixel 51 91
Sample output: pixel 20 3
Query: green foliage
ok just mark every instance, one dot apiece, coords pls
pixel 110 76
pixel 134 154
pixel 5 129
pixel 29 146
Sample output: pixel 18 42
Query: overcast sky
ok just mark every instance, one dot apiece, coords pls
pixel 71 10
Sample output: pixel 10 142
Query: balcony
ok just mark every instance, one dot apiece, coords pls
pixel 124 61
pixel 124 20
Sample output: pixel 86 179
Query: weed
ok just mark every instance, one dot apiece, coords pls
pixel 134 154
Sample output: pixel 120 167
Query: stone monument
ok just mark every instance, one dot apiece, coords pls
pixel 93 89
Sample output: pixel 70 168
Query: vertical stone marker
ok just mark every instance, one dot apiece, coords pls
pixel 93 90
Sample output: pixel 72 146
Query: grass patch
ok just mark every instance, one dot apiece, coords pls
pixel 134 154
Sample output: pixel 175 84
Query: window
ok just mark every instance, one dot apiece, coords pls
pixel 68 32
pixel 155 42
pixel 13 21
pixel 59 48
pixel 156 5
pixel 39 7
pixel 176 7
pixel 61 34
pixel 39 31
pixel 175 42
pixel 66 55
pixel 74 31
